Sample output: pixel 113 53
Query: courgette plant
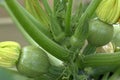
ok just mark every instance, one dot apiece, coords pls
pixel 57 38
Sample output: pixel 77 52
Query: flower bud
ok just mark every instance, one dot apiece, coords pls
pixel 9 53
pixel 109 11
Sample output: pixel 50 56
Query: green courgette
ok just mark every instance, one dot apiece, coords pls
pixel 33 62
pixel 100 33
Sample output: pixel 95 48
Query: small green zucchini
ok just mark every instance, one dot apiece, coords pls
pixel 100 33
pixel 33 62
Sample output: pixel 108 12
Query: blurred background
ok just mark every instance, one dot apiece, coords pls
pixel 8 30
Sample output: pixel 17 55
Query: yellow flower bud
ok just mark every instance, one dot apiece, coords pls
pixel 109 11
pixel 9 53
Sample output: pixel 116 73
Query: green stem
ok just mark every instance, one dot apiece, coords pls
pixel 77 43
pixel 41 12
pixel 104 69
pixel 57 32
pixel 53 73
pixel 30 8
pixel 87 14
pixel 59 8
pixel 53 60
pixel 100 59
pixel 34 7
pixel 68 18
pixel 89 49
pixel 38 24
pixel 55 2
pixel 116 75
pixel 106 75
pixel 77 14
pixel 47 7
pixel 34 21
pixel 80 30
pixel 37 35
pixel 19 26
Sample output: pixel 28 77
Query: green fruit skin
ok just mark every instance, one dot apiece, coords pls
pixel 116 36
pixel 54 73
pixel 33 62
pixel 100 33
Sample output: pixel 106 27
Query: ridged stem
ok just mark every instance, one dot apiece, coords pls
pixel 34 7
pixel 56 30
pixel 52 59
pixel 68 18
pixel 89 49
pixel 100 60
pixel 37 35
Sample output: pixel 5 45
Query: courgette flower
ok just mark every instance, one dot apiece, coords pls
pixel 109 11
pixel 9 53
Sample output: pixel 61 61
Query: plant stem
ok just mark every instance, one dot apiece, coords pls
pixel 27 36
pixel 78 12
pixel 41 12
pixel 56 30
pixel 100 59
pixel 68 18
pixel 116 75
pixel 47 7
pixel 80 30
pixel 106 75
pixel 52 59
pixel 89 49
pixel 102 70
pixel 34 7
pixel 37 35
pixel 29 6
pixel 87 14
pixel 38 24
pixel 34 21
